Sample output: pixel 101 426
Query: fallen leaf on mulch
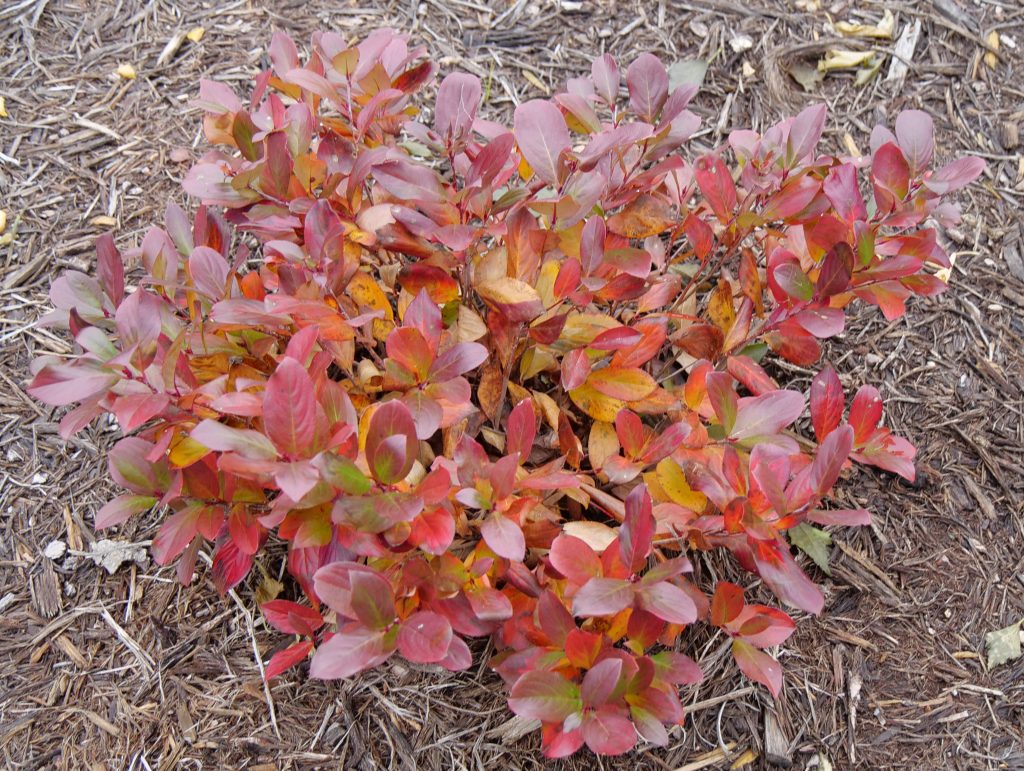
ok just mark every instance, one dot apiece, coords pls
pixel 687 72
pixel 813 542
pixel 1003 645
pixel 883 29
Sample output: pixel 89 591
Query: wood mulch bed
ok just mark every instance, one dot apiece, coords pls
pixel 131 671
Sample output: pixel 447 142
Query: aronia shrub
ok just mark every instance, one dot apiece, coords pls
pixel 504 382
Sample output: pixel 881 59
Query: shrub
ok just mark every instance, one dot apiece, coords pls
pixel 501 383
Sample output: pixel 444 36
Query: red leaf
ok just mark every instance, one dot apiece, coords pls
pixel 352 649
pixel 804 133
pixel 372 599
pixel 600 682
pixel 407 347
pixel 758 666
pixel 915 132
pixel 489 604
pixel 425 637
pixel 843 192
pixel 827 402
pixel 647 81
pixel 121 509
pixel 891 176
pixel 592 244
pixel 764 627
pixel 457 360
pixel 110 268
pixel 607 731
pixel 230 565
pixel 574 559
pixel 521 430
pixel 751 374
pixel 829 459
pixel 391 444
pixel 603 597
pixel 176 533
pixel 433 531
pixel 554 620
pixel 292 618
pixel 766 415
pixel 575 369
pixel 723 399
pixel 458 97
pixel 955 175
pixel 841 517
pixel 544 696
pixel 439 285
pixel 504 537
pixel 286 659
pixel 542 137
pixel 865 412
pixel 247 443
pixel 458 657
pixel 784 577
pixel 605 73
pixel 726 604
pixel 716 185
pixel 637 533
pixel 668 602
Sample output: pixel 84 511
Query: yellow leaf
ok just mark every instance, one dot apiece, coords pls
pixel 673 482
pixel 3 220
pixel 185 451
pixel 535 81
pixel 545 283
pixel 196 34
pixel 366 293
pixel 548 408
pixel 628 384
pixel 581 328
pixel 844 60
pixel 469 327
pixel 720 308
pixel 596 535
pixel 993 43
pixel 602 444
pixel 3 107
pixel 126 71
pixel 882 30
pixel 536 360
pixel 515 299
pixel 596 404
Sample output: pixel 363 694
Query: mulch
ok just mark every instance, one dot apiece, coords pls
pixel 132 671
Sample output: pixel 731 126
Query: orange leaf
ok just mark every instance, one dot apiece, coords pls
pixel 622 383
pixel 720 308
pixel 646 216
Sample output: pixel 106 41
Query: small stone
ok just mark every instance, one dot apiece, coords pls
pixel 741 43
pixel 699 28
pixel 39 478
pixel 55 550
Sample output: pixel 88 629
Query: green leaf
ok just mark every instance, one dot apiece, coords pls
pixel 686 72
pixel 813 542
pixel 1003 645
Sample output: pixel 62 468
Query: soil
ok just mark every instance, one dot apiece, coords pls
pixel 130 670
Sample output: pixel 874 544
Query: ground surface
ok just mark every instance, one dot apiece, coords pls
pixel 131 671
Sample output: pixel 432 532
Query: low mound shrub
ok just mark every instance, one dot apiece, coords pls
pixel 501 382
